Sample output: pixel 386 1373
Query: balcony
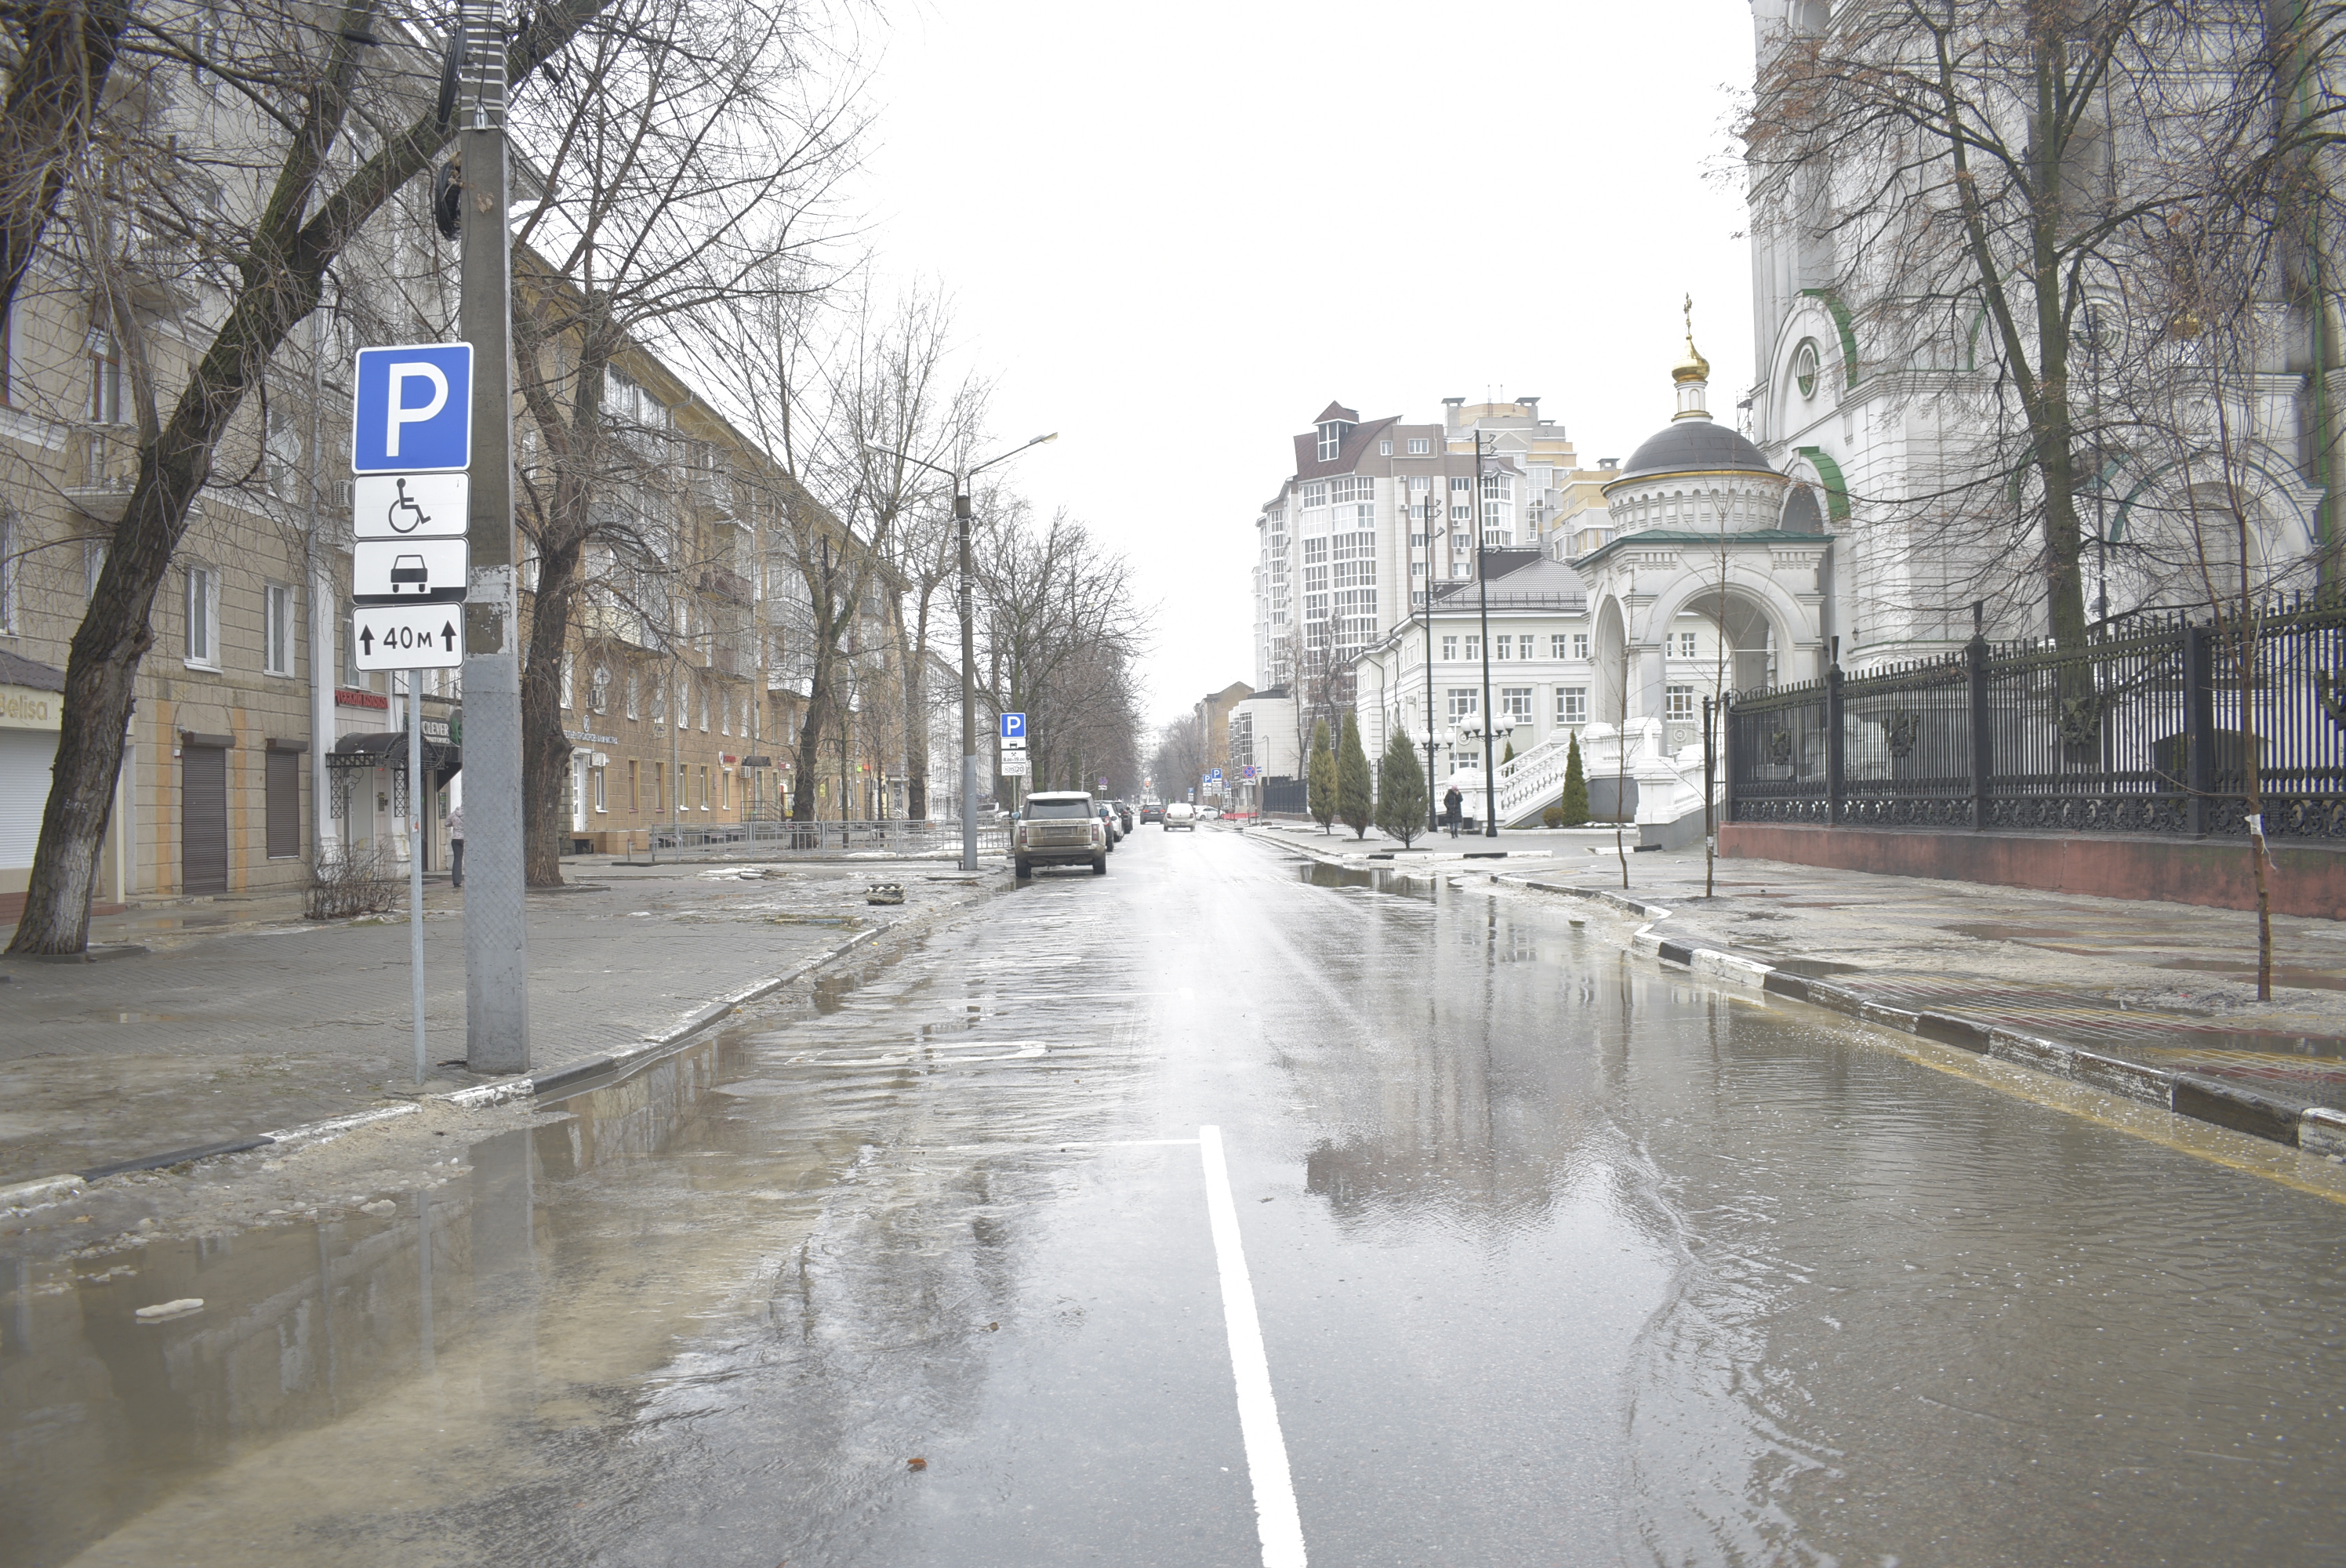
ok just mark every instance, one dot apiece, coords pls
pixel 713 495
pixel 730 586
pixel 105 459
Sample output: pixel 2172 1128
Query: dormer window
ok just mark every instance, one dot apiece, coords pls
pixel 1331 439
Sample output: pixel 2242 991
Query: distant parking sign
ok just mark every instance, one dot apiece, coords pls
pixel 412 409
pixel 1014 727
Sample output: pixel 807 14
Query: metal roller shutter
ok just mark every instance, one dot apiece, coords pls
pixel 24 758
pixel 284 805
pixel 203 820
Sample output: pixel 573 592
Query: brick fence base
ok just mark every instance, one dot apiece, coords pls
pixel 2305 880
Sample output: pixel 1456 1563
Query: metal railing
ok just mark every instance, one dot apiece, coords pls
pixel 768 839
pixel 2147 730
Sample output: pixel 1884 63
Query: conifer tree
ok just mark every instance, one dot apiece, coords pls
pixel 1575 804
pixel 1401 790
pixel 1321 789
pixel 1354 805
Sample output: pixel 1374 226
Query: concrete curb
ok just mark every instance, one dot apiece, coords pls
pixel 2316 1129
pixel 41 1191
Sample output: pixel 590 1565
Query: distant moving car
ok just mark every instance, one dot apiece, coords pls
pixel 1152 810
pixel 1180 814
pixel 1059 828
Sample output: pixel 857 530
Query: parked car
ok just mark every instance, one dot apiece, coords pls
pixel 1210 813
pixel 1124 812
pixel 1152 810
pixel 1106 814
pixel 1180 814
pixel 1059 828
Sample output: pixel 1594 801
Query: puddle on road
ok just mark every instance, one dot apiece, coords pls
pixel 1823 1304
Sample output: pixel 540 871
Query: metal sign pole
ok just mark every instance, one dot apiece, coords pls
pixel 415 864
pixel 497 936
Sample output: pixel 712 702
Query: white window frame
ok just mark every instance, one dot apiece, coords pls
pixel 635 695
pixel 1515 703
pixel 8 572
pixel 200 608
pixel 1557 645
pixel 1677 704
pixel 277 628
pixel 1686 645
pixel 1474 648
pixel 1384 449
pixel 570 676
pixel 1572 704
pixel 1465 702
pixel 1450 650
pixel 1420 446
pixel 602 798
pixel 1580 646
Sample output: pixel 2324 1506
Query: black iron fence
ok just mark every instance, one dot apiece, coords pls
pixel 2148 730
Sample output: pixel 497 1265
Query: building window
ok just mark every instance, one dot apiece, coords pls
pixel 1678 703
pixel 1450 649
pixel 1331 439
pixel 704 730
pixel 635 710
pixel 1572 704
pixel 599 690
pixel 602 803
pixel 1804 367
pixel 1417 568
pixel 1506 648
pixel 8 572
pixel 1686 645
pixel 277 629
pixel 659 785
pixel 203 617
pixel 1462 485
pixel 1555 645
pixel 1580 644
pixel 105 381
pixel 1462 513
pixel 704 786
pixel 1515 703
pixel 635 785
pixel 1419 446
pixel 1384 449
pixel 1464 703
pixel 1473 647
pixel 569 670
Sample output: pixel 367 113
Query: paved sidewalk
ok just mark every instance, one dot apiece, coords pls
pixel 2165 984
pixel 242 1019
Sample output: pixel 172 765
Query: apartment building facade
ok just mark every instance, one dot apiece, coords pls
pixel 1379 513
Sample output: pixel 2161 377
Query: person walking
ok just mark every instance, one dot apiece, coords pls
pixel 1453 803
pixel 456 845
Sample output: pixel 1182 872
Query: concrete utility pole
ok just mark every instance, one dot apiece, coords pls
pixel 496 935
pixel 1482 588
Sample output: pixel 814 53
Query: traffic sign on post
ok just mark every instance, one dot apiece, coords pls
pixel 410 506
pixel 408 637
pixel 407 572
pixel 1014 727
pixel 1015 766
pixel 412 409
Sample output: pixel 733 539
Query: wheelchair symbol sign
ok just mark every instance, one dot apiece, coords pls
pixel 410 506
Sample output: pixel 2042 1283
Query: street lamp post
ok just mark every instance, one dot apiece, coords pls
pixel 1482 588
pixel 961 479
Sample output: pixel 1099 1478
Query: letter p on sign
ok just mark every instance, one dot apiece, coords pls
pixel 413 409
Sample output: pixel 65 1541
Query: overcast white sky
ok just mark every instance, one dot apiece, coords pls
pixel 1176 234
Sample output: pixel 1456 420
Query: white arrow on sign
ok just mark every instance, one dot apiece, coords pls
pixel 410 506
pixel 409 637
pixel 407 571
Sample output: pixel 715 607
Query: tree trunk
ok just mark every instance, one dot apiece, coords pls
pixel 545 749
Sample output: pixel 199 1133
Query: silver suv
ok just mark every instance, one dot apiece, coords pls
pixel 1059 828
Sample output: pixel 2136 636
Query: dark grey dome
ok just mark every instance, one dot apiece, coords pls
pixel 1695 446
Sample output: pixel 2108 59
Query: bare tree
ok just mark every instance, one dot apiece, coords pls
pixel 61 52
pixel 687 156
pixel 1060 631
pixel 1962 182
pixel 263 266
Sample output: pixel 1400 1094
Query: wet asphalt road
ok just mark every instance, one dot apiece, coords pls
pixel 1555 1260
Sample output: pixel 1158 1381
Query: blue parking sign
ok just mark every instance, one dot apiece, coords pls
pixel 1014 727
pixel 412 409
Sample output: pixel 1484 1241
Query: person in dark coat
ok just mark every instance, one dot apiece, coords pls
pixel 1453 804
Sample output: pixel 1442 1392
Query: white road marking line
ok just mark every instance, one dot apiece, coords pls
pixel 1276 1518
pixel 1075 1144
